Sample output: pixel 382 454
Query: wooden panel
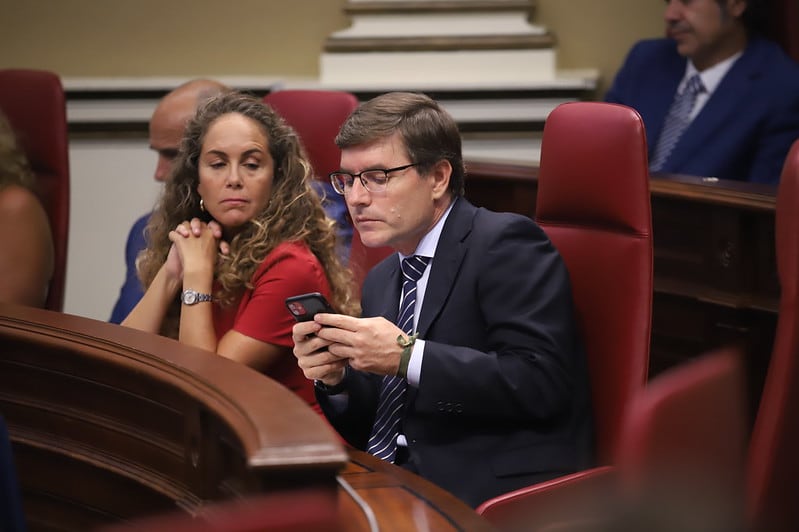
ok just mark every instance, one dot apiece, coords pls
pixel 109 423
pixel 118 429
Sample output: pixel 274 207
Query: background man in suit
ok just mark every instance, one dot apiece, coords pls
pixel 166 131
pixel 492 375
pixel 745 116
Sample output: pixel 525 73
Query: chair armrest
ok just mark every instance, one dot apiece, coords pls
pixel 541 504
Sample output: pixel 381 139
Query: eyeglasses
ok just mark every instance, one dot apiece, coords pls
pixel 374 180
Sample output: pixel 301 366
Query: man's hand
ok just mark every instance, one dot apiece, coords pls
pixel 313 356
pixel 369 344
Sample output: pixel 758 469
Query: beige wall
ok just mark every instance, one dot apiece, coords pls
pixel 280 39
pixel 272 38
pixel 598 33
pixel 168 37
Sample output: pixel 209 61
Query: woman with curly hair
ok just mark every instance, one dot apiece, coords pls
pixel 237 231
pixel 26 243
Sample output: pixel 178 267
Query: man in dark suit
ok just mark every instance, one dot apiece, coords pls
pixel 496 387
pixel 746 114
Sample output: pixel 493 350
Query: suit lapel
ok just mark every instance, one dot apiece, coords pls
pixel 389 308
pixel 719 111
pixel 450 251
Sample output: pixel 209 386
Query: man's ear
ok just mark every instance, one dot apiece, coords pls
pixel 441 174
pixel 736 8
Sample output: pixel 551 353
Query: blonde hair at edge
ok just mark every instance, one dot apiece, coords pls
pixel 294 212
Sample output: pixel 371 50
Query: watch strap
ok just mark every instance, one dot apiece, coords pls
pixel 192 297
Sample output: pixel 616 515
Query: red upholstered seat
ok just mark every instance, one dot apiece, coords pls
pixel 679 463
pixel 316 116
pixel 35 105
pixel 773 457
pixel 593 202
pixel 684 438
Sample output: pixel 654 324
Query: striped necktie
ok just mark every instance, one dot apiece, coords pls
pixel 383 440
pixel 676 122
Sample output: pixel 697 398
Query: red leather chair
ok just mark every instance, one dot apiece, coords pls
pixel 593 202
pixel 681 452
pixel 684 437
pixel 773 457
pixel 679 462
pixel 34 102
pixel 316 116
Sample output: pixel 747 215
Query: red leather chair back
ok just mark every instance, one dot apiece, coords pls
pixel 773 460
pixel 688 425
pixel 35 105
pixel 593 202
pixel 316 116
pixel 682 448
pixel 679 463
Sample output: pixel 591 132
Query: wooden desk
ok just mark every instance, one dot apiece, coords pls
pixel 714 261
pixel 109 425
pixel 411 502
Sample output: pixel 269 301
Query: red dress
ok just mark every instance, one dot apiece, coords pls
pixel 289 270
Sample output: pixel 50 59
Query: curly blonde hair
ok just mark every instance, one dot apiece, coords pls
pixel 14 167
pixel 294 212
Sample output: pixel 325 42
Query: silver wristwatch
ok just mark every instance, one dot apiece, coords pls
pixel 192 297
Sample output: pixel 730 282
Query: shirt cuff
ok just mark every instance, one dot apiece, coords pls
pixel 415 364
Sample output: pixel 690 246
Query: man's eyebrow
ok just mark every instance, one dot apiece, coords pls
pixel 367 169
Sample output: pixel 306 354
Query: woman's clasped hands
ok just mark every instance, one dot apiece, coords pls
pixel 194 246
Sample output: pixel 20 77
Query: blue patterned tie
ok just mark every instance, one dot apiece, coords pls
pixel 676 121
pixel 383 441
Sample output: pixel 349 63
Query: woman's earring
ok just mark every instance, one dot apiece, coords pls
pixel 202 207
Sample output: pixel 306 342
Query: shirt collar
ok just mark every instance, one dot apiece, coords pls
pixel 711 77
pixel 427 246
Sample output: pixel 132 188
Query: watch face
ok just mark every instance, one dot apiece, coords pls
pixel 191 297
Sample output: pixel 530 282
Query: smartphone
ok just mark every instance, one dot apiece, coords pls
pixel 305 306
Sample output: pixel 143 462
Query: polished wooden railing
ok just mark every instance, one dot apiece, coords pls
pixel 111 425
